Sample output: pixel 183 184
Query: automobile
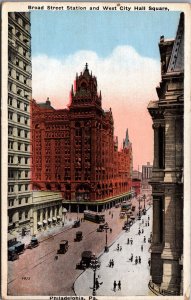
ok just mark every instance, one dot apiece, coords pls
pixel 144 211
pixel 117 205
pixel 12 254
pixel 122 215
pixel 100 228
pixel 125 225
pixel 79 236
pixel 86 258
pixel 34 243
pixel 76 224
pixel 63 247
pixel 133 208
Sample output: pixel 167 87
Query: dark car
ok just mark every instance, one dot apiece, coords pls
pixel 85 260
pixel 100 228
pixel 79 236
pixel 63 247
pixel 34 243
pixel 76 224
pixel 12 254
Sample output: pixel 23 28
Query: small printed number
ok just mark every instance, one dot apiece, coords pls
pixel 25 278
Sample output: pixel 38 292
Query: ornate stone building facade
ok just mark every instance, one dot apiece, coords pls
pixel 75 151
pixel 167 175
pixel 19 95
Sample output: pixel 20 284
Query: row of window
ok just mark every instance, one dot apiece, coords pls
pixel 17 104
pixel 18 174
pixel 18 119
pixel 20 160
pixel 20 201
pixel 20 92
pixel 22 216
pixel 25 25
pixel 20 132
pixel 20 147
pixel 46 212
pixel 16 75
pixel 21 187
pixel 18 62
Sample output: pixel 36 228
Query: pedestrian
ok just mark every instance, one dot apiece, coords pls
pixel 131 241
pixel 110 230
pixel 148 223
pixel 112 216
pixel 131 257
pixel 128 241
pixel 114 286
pixel 142 248
pixel 148 218
pixel 56 257
pixel 149 262
pixel 139 232
pixel 112 263
pixel 136 260
pixel 120 248
pixel 139 260
pixel 97 283
pixel 142 230
pixel 142 221
pixel 119 285
pixel 144 239
pixel 117 247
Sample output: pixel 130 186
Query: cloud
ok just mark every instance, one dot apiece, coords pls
pixel 127 81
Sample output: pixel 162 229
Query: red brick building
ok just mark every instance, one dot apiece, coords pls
pixel 74 150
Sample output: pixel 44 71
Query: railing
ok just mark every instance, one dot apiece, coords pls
pixel 159 291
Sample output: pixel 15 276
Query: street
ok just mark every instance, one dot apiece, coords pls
pixel 37 272
pixel 134 278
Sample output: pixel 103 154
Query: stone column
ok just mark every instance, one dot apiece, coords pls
pixel 170 255
pixel 34 222
pixel 51 213
pixel 156 221
pixel 156 146
pixel 41 215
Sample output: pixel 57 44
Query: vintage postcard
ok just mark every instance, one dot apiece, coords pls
pixel 95 150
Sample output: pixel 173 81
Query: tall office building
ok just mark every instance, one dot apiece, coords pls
pixel 19 95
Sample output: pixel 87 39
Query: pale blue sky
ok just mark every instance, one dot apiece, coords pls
pixel 59 34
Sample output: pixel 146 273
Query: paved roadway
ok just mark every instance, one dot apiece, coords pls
pixel 134 277
pixel 38 273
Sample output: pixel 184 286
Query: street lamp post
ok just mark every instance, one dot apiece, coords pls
pixel 106 227
pixel 95 264
pixel 64 211
pixel 139 217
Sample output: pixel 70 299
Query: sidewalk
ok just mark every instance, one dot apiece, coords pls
pixel 134 278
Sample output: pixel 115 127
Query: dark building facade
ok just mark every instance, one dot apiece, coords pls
pixel 167 174
pixel 74 150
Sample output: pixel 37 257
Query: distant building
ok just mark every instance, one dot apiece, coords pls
pixel 136 182
pixel 167 176
pixel 74 150
pixel 19 95
pixel 146 176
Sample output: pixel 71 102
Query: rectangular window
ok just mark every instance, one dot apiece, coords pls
pixel 20 201
pixel 17 61
pixel 19 174
pixel 26 187
pixel 10 115
pixel 19 146
pixel 10 159
pixel 20 215
pixel 18 104
pixel 18 118
pixel 19 187
pixel 10 219
pixel 26 147
pixel 26 134
pixel 17 76
pixel 19 132
pixel 25 107
pixel 26 214
pixel 10 101
pixel 25 121
pixel 10 130
pixel 19 160
pixel 24 66
pixel 10 145
pixel 26 160
pixel 26 200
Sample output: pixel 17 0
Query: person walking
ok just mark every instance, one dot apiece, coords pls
pixel 144 239
pixel 131 257
pixel 149 262
pixel 97 283
pixel 110 230
pixel 139 260
pixel 114 286
pixel 112 263
pixel 119 285
pixel 131 241
pixel 136 260
pixel 112 216
pixel 120 248
pixel 142 230
pixel 142 248
pixel 139 232
pixel 128 241
pixel 117 247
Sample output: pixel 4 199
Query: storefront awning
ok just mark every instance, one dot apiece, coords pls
pixel 49 220
pixel 44 221
pixel 39 223
pixel 58 217
pixel 54 219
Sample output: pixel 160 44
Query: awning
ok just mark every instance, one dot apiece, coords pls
pixel 44 221
pixel 49 220
pixel 58 217
pixel 39 223
pixel 54 219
